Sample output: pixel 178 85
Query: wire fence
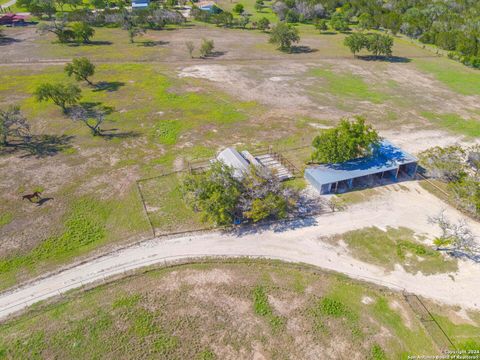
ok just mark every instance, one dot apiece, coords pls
pixel 436 332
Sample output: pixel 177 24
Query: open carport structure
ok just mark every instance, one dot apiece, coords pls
pixel 387 161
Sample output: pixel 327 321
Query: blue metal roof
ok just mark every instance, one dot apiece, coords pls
pixel 386 157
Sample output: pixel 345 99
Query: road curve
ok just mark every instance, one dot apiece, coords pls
pixel 301 241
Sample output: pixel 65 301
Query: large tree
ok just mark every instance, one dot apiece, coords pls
pixel 82 32
pixel 379 44
pixel 12 124
pixel 81 69
pixel 284 35
pixel 62 95
pixel 355 42
pixel 348 141
pixel 215 193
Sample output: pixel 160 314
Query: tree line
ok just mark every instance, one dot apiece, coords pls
pixel 450 25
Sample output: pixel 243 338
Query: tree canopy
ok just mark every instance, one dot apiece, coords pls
pixel 348 141
pixel 62 95
pixel 222 198
pixel 284 35
pixel 81 69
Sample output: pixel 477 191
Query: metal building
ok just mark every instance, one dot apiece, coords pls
pixel 387 160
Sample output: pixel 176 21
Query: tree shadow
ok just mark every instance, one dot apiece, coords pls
pixel 90 43
pixel 215 54
pixel 39 145
pixel 458 254
pixel 108 86
pixel 391 59
pixel 328 32
pixel 151 43
pixel 92 106
pixel 302 49
pixel 8 40
pixel 110 134
pixel 276 226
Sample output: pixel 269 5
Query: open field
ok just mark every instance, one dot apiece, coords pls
pixel 169 109
pixel 236 310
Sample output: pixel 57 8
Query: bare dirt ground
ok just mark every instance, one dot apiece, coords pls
pixel 408 205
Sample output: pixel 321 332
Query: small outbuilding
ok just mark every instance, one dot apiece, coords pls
pixel 387 161
pixel 140 4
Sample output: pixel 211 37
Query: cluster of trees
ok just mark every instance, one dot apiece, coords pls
pixel 206 48
pixel 347 141
pixel 67 96
pixel 77 24
pixel 223 199
pixel 223 18
pixel 377 44
pixel 77 31
pixel 459 168
pixel 451 25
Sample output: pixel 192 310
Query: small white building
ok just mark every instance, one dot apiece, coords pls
pixel 236 160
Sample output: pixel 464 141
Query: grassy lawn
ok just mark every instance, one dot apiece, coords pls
pixel 397 246
pixel 345 85
pixel 455 123
pixel 456 76
pixel 293 312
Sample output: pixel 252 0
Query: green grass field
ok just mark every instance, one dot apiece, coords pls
pixel 290 312
pixel 397 246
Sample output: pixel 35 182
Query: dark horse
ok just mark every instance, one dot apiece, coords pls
pixel 35 195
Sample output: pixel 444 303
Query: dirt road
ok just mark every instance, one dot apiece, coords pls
pixel 301 241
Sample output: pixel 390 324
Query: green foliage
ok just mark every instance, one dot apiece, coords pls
pixel 366 21
pixel 215 193
pixel 82 32
pixel 238 8
pixel 446 163
pixel 222 197
pixel 348 141
pixel 38 7
pixel 321 25
pixel 284 35
pixel 262 307
pixel 377 44
pixel 334 308
pixel 355 42
pixel 206 49
pixel 263 24
pixel 62 95
pixel 339 22
pixel 264 208
pixel 81 68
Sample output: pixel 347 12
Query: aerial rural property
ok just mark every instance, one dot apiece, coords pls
pixel 241 179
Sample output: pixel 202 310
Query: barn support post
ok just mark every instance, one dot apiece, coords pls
pixel 350 183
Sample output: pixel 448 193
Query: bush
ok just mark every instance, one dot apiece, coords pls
pixel 206 48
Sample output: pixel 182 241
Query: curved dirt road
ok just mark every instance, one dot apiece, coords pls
pixel 299 241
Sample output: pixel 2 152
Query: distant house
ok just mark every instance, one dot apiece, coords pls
pixel 140 4
pixel 13 19
pixel 209 6
pixel 388 161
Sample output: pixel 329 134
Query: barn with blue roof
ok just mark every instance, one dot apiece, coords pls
pixel 387 160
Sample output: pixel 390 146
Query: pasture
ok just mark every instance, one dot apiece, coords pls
pixel 233 309
pixel 169 109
